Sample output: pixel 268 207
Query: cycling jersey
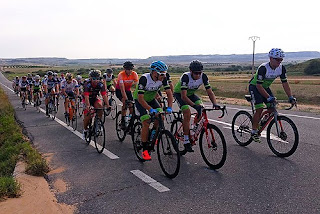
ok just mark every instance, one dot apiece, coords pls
pixel 16 82
pixel 93 91
pixel 36 85
pixel 186 82
pixel 149 87
pixel 23 84
pixel 109 79
pixel 69 87
pixel 126 80
pixel 30 81
pixel 50 83
pixel 266 75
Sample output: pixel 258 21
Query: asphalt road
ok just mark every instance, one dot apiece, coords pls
pixel 253 179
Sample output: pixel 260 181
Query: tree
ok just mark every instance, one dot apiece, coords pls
pixel 313 67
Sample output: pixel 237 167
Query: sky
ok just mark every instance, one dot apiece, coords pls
pixel 142 28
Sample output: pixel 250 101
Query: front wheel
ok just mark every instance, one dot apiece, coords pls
pixel 213 147
pixel 177 131
pixel 74 122
pixel 120 130
pixel 241 128
pixel 285 142
pixel 168 154
pixel 99 135
pixel 136 140
pixel 114 108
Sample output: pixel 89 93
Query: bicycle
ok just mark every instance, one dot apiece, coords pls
pixel 79 105
pixel 71 117
pixel 167 149
pixel 123 128
pixel 212 143
pixel 52 108
pixel 114 108
pixel 96 130
pixel 23 100
pixel 37 102
pixel 282 134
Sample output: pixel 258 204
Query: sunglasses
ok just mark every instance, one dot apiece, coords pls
pixel 95 78
pixel 197 73
pixel 278 59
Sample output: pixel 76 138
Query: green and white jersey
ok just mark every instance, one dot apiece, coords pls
pixel 109 79
pixel 186 82
pixel 149 87
pixel 265 75
pixel 36 85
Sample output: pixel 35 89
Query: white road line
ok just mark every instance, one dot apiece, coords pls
pixel 147 179
pixel 7 87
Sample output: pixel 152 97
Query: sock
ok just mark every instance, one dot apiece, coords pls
pixel 186 139
pixel 254 131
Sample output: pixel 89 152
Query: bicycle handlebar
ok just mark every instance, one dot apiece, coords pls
pixel 223 109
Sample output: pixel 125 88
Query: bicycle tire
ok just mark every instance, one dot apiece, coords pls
pixel 121 134
pixel 167 150
pixel 89 135
pixel 114 109
pixel 177 131
pixel 136 140
pixel 99 136
pixel 217 153
pixel 74 122
pixel 292 145
pixel 242 128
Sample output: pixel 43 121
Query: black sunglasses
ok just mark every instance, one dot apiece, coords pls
pixel 278 59
pixel 197 73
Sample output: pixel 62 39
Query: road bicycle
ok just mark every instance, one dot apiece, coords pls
pixel 96 130
pixel 113 105
pixel 71 116
pixel 23 99
pixel 37 101
pixel 126 127
pixel 212 143
pixel 167 148
pixel 52 107
pixel 80 105
pixel 282 134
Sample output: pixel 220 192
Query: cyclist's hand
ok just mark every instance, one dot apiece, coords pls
pixel 292 100
pixel 169 110
pixel 271 99
pixel 153 111
pixel 216 106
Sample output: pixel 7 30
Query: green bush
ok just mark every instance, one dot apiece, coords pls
pixel 313 67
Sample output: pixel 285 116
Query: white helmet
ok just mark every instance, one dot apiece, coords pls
pixel 37 77
pixel 79 77
pixel 276 53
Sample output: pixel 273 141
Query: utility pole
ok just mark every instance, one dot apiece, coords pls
pixel 254 39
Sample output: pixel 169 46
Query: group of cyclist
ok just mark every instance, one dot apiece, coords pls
pixel 147 91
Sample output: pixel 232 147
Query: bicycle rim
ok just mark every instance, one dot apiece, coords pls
pixel 136 140
pixel 168 154
pixel 120 132
pixel 287 143
pixel 99 135
pixel 241 128
pixel 74 122
pixel 213 147
pixel 114 109
pixel 177 131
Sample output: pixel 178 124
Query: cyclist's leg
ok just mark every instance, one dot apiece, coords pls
pixel 98 104
pixel 129 95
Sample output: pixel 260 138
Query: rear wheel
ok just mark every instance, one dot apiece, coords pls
pixel 213 147
pixel 89 134
pixel 120 130
pixel 177 131
pixel 99 135
pixel 241 128
pixel 168 154
pixel 114 108
pixel 136 140
pixel 74 122
pixel 286 142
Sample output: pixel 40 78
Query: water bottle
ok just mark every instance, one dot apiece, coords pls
pixel 264 119
pixel 126 119
pixel 152 135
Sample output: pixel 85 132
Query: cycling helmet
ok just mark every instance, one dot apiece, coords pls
pixel 69 76
pixel 159 67
pixel 196 66
pixel 95 73
pixel 276 53
pixel 79 77
pixel 55 74
pixel 50 73
pixel 109 71
pixel 17 77
pixel 37 77
pixel 29 75
pixel 24 77
pixel 128 65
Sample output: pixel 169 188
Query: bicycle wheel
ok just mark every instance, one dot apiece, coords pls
pixel 177 131
pixel 241 128
pixel 53 111
pixel 214 152
pixel 74 122
pixel 168 154
pixel 80 107
pixel 121 133
pixel 24 103
pixel 38 104
pixel 287 143
pixel 114 108
pixel 89 134
pixel 99 135
pixel 136 140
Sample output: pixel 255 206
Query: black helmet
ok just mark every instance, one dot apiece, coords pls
pixel 128 65
pixel 196 66
pixel 50 73
pixel 109 71
pixel 95 73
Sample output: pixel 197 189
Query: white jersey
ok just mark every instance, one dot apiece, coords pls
pixel 69 86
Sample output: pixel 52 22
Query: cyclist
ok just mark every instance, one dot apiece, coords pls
pixel 69 90
pixel 184 93
pixel 23 87
pixel 15 84
pixel 50 87
pixel 30 82
pixel 260 83
pixel 109 80
pixel 36 89
pixel 145 97
pixel 92 88
pixel 126 79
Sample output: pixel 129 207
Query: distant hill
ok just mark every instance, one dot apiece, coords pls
pixel 293 57
pixel 300 67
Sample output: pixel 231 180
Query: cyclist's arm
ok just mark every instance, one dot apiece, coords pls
pixel 170 97
pixel 208 89
pixel 284 81
pixel 104 95
pixel 123 90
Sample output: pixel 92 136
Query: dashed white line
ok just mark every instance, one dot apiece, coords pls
pixel 147 179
